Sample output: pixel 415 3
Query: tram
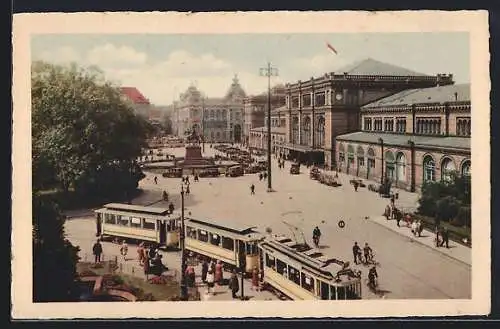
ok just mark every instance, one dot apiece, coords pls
pixel 303 273
pixel 141 223
pixel 236 246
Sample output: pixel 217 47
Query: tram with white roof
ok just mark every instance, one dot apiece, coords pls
pixel 304 273
pixel 234 245
pixel 140 223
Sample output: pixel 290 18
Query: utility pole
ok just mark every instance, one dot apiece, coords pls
pixel 269 72
pixel 184 294
pixel 203 123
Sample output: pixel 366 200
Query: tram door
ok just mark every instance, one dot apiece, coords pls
pixel 241 254
pixel 98 225
pixel 325 290
pixel 162 226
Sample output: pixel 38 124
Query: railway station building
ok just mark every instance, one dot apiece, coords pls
pixel 411 137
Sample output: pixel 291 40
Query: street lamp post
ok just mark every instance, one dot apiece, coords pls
pixel 412 159
pixel 269 72
pixel 184 295
pixel 203 124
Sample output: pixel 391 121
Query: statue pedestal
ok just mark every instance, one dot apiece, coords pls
pixel 193 152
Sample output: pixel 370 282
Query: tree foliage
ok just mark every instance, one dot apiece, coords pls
pixel 448 200
pixel 84 135
pixel 54 258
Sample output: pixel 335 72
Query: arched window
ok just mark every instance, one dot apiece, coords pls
pixel 219 115
pixel 295 130
pixel 371 158
pixel 465 168
pixel 218 135
pixel 389 165
pixel 429 167
pixel 447 168
pixel 212 114
pixel 401 167
pixel 306 131
pixel 320 132
pixel 224 115
pixel 341 153
pixel 350 155
pixel 360 153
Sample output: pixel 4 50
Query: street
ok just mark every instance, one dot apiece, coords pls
pixel 408 269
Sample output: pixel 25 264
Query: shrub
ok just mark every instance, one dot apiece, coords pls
pixel 447 208
pixel 463 217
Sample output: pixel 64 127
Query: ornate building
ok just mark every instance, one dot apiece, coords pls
pixel 322 108
pixel 255 109
pixel 258 136
pixel 217 119
pixel 411 137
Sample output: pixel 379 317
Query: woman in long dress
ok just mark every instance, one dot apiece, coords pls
pixel 218 273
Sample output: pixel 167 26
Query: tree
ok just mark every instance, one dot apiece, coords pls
pixel 167 123
pixel 54 257
pixel 84 135
pixel 447 200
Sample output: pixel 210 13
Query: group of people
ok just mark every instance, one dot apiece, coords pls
pixel 151 260
pixel 358 254
pixel 262 175
pixel 281 163
pixel 442 237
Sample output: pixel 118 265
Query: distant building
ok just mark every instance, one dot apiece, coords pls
pixel 136 99
pixel 411 137
pixel 255 109
pixel 217 119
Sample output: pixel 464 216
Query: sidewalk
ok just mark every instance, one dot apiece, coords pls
pixel 456 251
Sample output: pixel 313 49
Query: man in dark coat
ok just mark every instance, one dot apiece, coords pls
pixel 204 271
pixel 97 251
pixel 234 284
pixel 356 251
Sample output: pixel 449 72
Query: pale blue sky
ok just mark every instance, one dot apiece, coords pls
pixel 163 65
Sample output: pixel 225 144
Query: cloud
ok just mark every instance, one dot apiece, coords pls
pixel 162 81
pixel 62 54
pixel 109 55
pixel 318 64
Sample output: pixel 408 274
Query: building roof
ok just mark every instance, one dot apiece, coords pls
pixel 369 66
pixel 451 142
pixel 134 95
pixel 441 94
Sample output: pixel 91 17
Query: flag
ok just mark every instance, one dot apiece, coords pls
pixel 331 48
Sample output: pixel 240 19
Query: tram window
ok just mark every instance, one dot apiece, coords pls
pixel 190 232
pixel 109 219
pixel 351 292
pixel 123 220
pixel 281 268
pixel 294 275
pixel 227 243
pixel 324 290
pixel 171 225
pixel 148 224
pixel 214 239
pixel 270 261
pixel 333 293
pixel 308 282
pixel 135 222
pixel 202 236
pixel 341 293
pixel 251 248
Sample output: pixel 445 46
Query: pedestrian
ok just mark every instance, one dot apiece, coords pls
pixel 445 238
pixel 187 190
pixel 156 180
pixel 165 196
pixel 255 279
pixel 420 228
pixel 210 282
pixel 218 273
pixel 356 251
pixel 438 233
pixel 264 175
pixel 204 271
pixel 141 253
pixel 414 227
pixel 196 178
pixel 387 212
pixel 146 266
pixel 252 189
pixel 355 186
pixel 233 284
pixel 97 251
pixel 260 176
pixel 190 276
pixel 171 207
pixel 124 250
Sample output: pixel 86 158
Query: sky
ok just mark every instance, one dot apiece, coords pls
pixel 162 66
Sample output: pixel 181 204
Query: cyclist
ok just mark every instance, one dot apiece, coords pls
pixel 372 277
pixel 368 253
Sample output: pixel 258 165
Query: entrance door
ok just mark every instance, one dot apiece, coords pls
pixel 163 232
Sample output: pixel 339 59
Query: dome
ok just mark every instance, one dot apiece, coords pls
pixel 235 91
pixel 191 95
